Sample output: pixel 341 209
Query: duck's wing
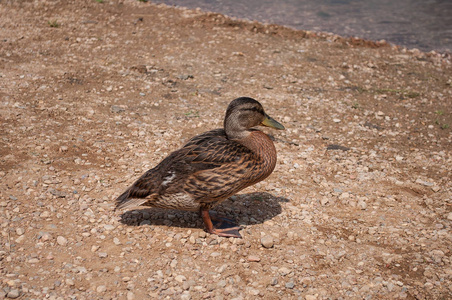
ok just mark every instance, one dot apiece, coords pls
pixel 218 167
pixel 208 168
pixel 150 183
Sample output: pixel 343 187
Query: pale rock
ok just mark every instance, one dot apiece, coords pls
pixel 344 196
pixel 267 241
pixel 254 258
pixel 185 295
pixel 20 239
pixel 101 289
pixel 13 294
pixel 324 201
pixel 449 216
pixel 362 204
pixel 109 227
pixel 284 271
pixel 70 282
pixel 62 241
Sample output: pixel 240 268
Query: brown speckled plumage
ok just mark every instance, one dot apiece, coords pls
pixel 211 167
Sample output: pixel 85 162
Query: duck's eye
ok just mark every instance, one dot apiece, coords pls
pixel 253 109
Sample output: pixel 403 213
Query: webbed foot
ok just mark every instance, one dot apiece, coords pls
pixel 219 225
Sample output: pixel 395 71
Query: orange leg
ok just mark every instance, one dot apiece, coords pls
pixel 224 227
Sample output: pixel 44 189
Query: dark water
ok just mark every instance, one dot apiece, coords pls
pixel 422 24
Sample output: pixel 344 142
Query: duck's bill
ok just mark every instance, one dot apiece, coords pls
pixel 270 122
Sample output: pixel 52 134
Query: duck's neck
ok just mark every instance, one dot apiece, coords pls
pixel 235 132
pixel 262 146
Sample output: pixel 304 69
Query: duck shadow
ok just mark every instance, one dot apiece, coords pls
pixel 245 209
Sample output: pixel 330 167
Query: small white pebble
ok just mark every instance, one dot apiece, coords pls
pixel 70 282
pixel 62 241
pixel 180 278
pixel 267 241
pixel 101 288
pixel 130 295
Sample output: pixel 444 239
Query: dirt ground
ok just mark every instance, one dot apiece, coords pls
pixel 94 93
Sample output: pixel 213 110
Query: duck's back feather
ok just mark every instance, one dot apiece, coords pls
pixel 208 169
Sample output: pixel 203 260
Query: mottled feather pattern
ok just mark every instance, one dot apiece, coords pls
pixel 207 176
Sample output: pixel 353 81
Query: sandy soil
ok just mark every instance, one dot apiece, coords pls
pixel 94 94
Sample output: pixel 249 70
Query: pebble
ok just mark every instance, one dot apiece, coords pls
pixel 109 227
pixel 254 258
pixel 390 286
pixel 221 283
pixel 425 183
pixel 101 289
pixel 70 282
pixel 267 241
pixel 290 285
pixel 362 204
pixel 449 216
pixel 185 295
pixel 180 278
pixel 62 241
pixel 13 294
pixel 284 271
pixel 20 239
pixel 130 295
pixel 344 196
pixel 324 201
pixel 116 109
pixel 45 236
pixel 188 284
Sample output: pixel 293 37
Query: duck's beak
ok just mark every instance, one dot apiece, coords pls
pixel 270 122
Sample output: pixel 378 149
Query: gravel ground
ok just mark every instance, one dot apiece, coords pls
pixel 94 93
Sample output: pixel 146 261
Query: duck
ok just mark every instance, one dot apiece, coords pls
pixel 210 168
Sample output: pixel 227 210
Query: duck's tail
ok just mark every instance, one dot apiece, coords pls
pixel 125 201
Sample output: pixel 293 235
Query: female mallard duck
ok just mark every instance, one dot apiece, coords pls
pixel 211 167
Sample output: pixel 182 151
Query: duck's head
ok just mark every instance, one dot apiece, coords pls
pixel 244 113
